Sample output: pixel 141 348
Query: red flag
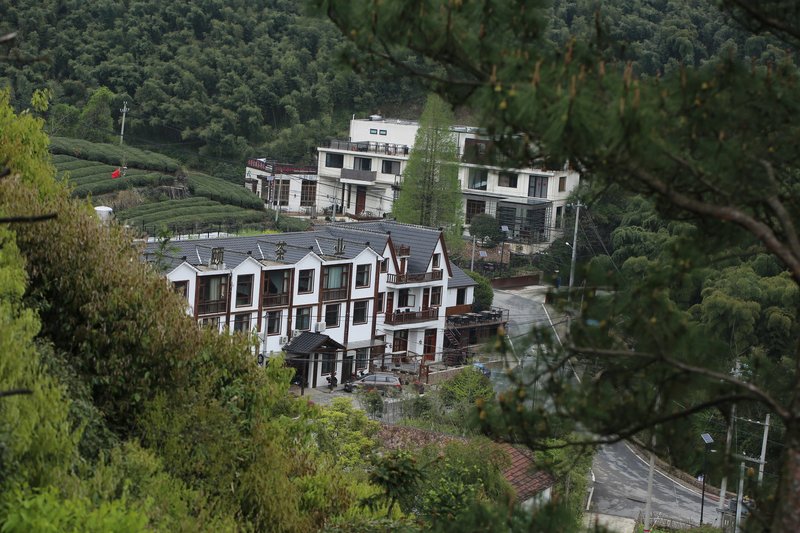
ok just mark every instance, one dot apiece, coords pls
pixel 116 173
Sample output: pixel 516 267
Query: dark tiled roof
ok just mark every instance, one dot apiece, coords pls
pixel 308 342
pixel 521 474
pixel 420 239
pixel 460 278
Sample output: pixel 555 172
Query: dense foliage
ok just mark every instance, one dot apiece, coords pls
pixel 710 144
pixel 224 78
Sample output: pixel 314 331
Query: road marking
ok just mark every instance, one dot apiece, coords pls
pixel 674 480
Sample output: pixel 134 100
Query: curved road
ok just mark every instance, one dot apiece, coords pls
pixel 620 489
pixel 620 486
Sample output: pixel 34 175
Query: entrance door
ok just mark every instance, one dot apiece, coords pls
pixel 361 199
pixel 426 298
pixel 389 303
pixel 347 368
pixel 400 343
pixel 429 344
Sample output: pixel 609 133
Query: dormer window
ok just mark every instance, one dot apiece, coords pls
pixel 436 260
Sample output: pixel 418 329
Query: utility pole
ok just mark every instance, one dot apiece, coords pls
pixel 737 529
pixel 124 111
pixel 472 262
pixel 724 484
pixel 335 199
pixel 574 250
pixel 763 451
pixel 277 196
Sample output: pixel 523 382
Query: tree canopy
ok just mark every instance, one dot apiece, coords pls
pixel 431 193
pixel 709 143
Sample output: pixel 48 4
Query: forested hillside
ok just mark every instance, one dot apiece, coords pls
pixel 213 81
pixel 226 78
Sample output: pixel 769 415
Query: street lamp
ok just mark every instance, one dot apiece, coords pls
pixel 708 441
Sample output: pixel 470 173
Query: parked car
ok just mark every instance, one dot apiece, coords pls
pixel 384 383
pixel 480 367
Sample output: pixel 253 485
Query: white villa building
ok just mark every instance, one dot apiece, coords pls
pixel 340 298
pixel 361 176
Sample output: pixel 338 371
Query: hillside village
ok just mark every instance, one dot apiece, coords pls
pixel 379 266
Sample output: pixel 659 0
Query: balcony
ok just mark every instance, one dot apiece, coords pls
pixel 360 176
pixel 334 294
pixel 275 300
pixel 421 277
pixel 494 316
pixel 271 167
pixel 370 147
pixel 410 317
pixel 210 307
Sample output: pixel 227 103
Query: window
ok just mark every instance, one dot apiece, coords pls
pixel 181 287
pixel 537 188
pixel 213 291
pixel 507 179
pixel 305 281
pixel 461 296
pixel 478 178
pixel 562 183
pixel 210 322
pixel 362 276
pixel 362 358
pixel 436 296
pixel 276 288
pixel 332 316
pixel 390 167
pixel 436 260
pixel 384 265
pixel 274 322
pixel 559 217
pixel 241 322
pixel 406 298
pixel 373 131
pixel 308 193
pixel 379 304
pixel 328 362
pixel 303 318
pixel 382 132
pixel 334 282
pixel 244 290
pixel 360 311
pixel 334 160
pixel 282 192
pixel 362 163
pixel 475 151
pixel 475 207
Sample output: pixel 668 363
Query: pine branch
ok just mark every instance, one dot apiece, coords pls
pixel 757 392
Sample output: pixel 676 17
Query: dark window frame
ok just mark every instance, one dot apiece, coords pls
pixel 334 160
pixel 302 318
pixel 507 179
pixel 306 274
pixel 241 299
pixel 308 193
pixel 331 320
pixel 241 322
pixel 356 312
pixel 363 276
pixel 273 320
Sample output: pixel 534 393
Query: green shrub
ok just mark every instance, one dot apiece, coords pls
pixel 113 154
pixel 223 191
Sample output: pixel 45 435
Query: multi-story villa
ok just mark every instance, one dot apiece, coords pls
pixel 337 299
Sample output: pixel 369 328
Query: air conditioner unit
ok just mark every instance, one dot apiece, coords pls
pixel 319 327
pixel 283 340
pixel 296 332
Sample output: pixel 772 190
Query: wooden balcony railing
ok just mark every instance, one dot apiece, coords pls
pixel 410 317
pixel 334 294
pixel 275 300
pixel 209 307
pixel 420 277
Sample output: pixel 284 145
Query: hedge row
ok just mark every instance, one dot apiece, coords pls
pixel 167 205
pixel 103 185
pixel 201 215
pixel 113 154
pixel 223 191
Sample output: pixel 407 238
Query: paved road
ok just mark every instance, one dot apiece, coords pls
pixel 525 309
pixel 620 488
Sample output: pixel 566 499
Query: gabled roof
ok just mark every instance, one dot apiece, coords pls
pixel 308 342
pixel 321 241
pixel 522 475
pixel 460 279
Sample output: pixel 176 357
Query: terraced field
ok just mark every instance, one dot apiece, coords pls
pixel 202 202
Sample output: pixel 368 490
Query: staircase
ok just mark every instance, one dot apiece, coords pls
pixel 454 337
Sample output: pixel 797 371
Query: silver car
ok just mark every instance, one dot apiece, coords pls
pixel 385 383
